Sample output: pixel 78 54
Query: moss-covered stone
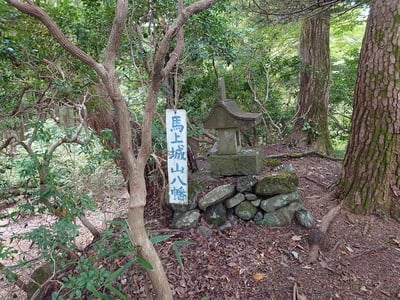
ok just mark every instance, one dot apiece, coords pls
pixel 39 276
pixel 281 183
pixel 272 162
pixel 246 210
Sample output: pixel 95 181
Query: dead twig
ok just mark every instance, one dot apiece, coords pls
pixel 369 252
pixel 296 295
pixel 316 182
pixel 328 197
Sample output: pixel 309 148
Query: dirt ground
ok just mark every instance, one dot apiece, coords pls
pixel 359 259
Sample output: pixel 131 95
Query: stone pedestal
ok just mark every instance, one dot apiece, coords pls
pixel 245 162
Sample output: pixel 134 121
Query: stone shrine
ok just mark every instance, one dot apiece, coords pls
pixel 227 118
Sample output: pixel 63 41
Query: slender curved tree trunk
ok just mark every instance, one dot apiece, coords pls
pixel 311 124
pixel 135 162
pixel 370 182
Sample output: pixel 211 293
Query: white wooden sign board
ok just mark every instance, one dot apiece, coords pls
pixel 177 156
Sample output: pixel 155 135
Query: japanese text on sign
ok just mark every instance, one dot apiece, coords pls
pixel 177 156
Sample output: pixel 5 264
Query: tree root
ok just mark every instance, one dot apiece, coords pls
pixel 303 154
pixel 317 237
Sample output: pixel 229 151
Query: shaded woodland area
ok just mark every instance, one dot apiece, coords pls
pixel 84 90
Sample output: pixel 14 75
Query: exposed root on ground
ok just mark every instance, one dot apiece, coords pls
pixel 317 237
pixel 303 154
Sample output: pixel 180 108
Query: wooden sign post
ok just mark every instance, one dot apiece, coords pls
pixel 177 156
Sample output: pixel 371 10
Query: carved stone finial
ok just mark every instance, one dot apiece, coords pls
pixel 221 88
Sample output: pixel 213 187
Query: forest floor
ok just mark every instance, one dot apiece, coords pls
pixel 359 259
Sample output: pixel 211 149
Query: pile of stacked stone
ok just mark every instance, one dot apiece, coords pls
pixel 273 200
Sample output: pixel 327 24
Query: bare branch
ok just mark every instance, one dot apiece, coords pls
pixel 260 106
pixel 114 40
pixel 288 10
pixel 27 148
pixel 339 124
pixel 176 27
pixel 21 96
pixel 7 142
pixel 180 45
pixel 73 139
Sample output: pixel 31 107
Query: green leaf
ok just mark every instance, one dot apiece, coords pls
pixel 113 276
pixel 12 277
pixel 177 255
pixel 177 252
pixel 96 293
pixel 78 293
pixel 55 296
pixel 116 292
pixel 145 264
pixel 181 243
pixel 160 238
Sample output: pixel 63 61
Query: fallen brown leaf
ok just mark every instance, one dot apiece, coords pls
pixel 258 276
pixel 296 238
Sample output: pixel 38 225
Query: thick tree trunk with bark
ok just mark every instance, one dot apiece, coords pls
pixel 311 124
pixel 370 182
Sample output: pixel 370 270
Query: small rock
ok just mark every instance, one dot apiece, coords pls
pixel 282 216
pixel 295 254
pixel 186 220
pixel 246 183
pixel 287 168
pixel 215 215
pixel 258 217
pixel 278 201
pixel 226 226
pixel 304 217
pixel 250 196
pixel 235 200
pixel 217 195
pixel 205 231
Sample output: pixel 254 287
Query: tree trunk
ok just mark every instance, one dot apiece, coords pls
pixel 138 234
pixel 370 181
pixel 311 124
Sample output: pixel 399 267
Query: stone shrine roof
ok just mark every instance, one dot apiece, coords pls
pixel 227 114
